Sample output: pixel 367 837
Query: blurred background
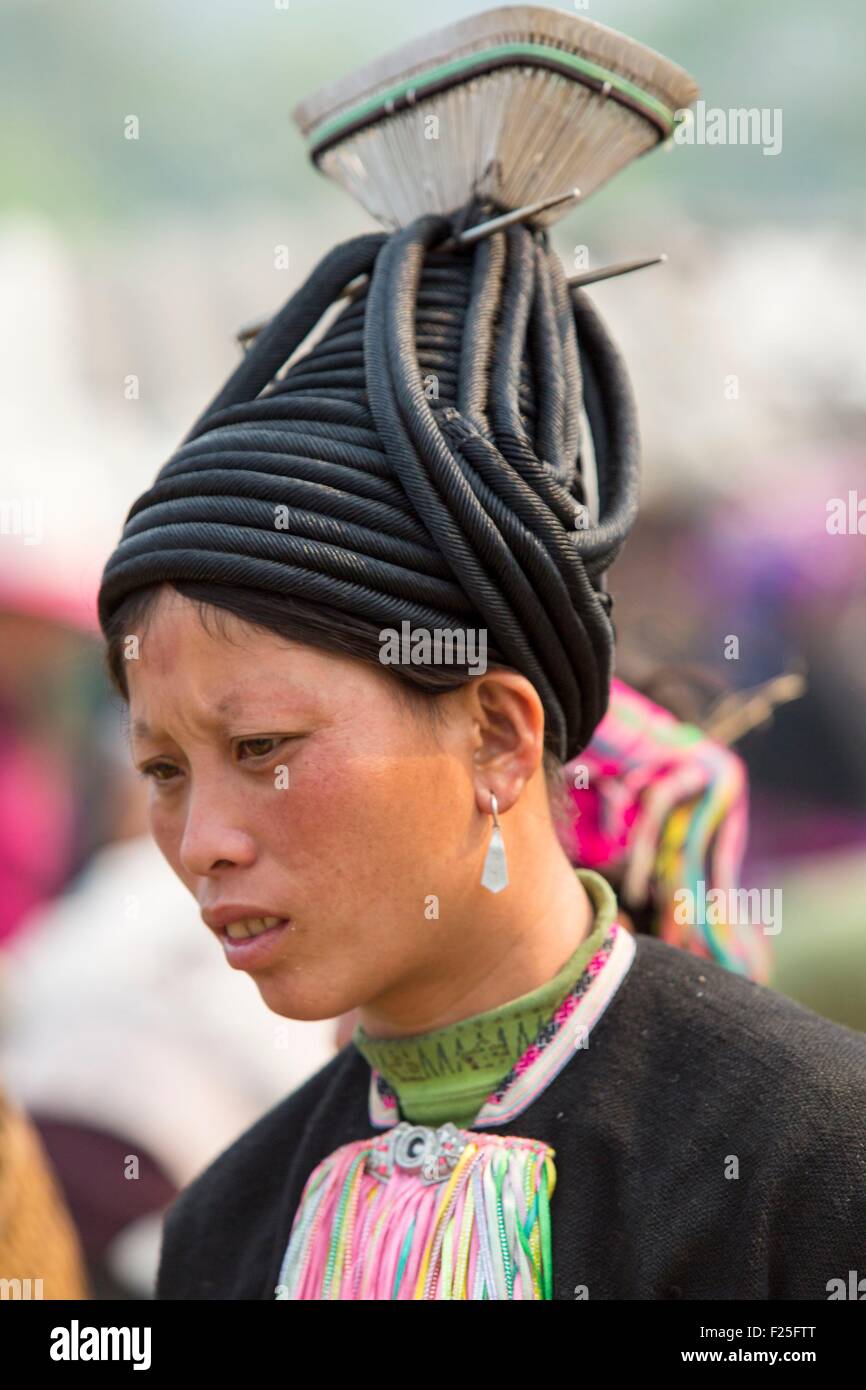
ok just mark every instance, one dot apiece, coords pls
pixel 127 266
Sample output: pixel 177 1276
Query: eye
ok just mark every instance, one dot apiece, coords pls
pixel 258 747
pixel 160 772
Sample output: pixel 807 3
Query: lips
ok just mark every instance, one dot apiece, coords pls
pixel 238 921
pixel 251 937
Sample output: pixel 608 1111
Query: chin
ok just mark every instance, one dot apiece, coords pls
pixel 304 1004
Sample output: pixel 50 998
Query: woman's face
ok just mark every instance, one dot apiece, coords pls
pixel 289 784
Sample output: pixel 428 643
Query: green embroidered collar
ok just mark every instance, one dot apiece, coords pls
pixel 447 1074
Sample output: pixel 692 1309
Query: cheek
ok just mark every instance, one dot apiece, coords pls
pixel 367 821
pixel 166 821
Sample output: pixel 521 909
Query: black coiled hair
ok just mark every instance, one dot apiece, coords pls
pixel 427 450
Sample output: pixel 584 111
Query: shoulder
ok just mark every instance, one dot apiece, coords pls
pixel 750 1084
pixel 236 1195
pixel 713 1013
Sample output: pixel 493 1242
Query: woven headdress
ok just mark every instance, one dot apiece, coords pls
pixel 459 448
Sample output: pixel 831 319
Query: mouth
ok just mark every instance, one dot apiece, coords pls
pixel 249 940
pixel 246 927
pixel 253 948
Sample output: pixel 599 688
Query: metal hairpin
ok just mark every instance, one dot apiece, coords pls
pixel 469 237
pixel 508 219
pixel 246 335
pixel 607 272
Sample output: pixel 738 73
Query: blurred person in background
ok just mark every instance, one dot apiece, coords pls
pixel 765 569
pixel 50 697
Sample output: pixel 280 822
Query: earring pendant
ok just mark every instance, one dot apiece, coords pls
pixel 495 874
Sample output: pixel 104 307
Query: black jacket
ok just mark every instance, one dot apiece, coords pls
pixel 691 1074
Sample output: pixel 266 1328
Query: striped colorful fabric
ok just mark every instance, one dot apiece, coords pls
pixel 662 811
pixel 377 1221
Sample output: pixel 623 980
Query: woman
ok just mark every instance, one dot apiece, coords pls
pixel 535 1103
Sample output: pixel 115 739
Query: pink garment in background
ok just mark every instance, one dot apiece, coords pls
pixel 36 830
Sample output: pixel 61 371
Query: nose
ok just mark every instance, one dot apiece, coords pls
pixel 211 838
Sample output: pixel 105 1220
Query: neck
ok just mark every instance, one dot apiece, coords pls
pixel 497 948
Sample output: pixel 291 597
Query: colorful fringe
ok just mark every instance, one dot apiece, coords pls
pixel 664 808
pixel 368 1228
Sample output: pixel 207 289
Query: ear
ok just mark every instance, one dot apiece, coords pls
pixel 507 721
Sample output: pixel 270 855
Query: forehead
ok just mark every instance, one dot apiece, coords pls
pixel 177 632
pixel 210 655
pixel 215 668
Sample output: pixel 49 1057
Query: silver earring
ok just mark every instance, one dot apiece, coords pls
pixel 495 874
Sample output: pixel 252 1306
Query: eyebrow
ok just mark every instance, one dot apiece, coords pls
pixel 229 705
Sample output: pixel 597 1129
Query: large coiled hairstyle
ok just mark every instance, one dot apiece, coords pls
pixel 427 452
